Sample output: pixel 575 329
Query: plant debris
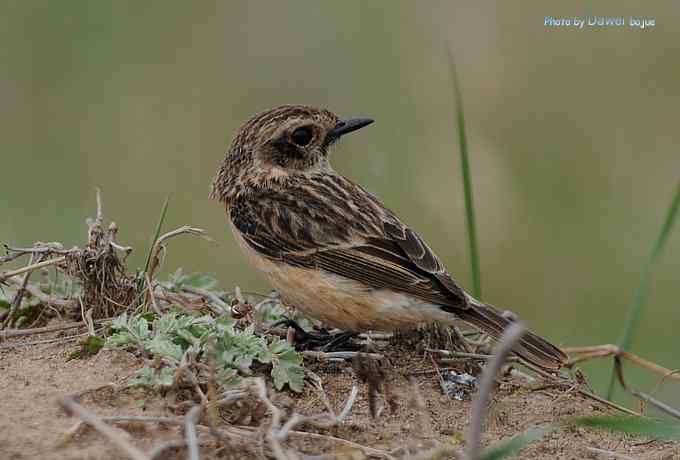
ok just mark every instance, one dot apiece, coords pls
pixel 458 385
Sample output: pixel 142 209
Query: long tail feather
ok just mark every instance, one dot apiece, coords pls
pixel 532 347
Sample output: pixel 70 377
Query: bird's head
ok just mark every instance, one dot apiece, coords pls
pixel 275 145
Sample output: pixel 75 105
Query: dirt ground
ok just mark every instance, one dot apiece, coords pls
pixel 33 426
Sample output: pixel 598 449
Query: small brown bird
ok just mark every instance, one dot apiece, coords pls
pixel 331 248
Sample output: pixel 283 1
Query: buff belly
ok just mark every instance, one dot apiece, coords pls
pixel 341 302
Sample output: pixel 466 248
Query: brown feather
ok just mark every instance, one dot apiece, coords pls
pixel 325 240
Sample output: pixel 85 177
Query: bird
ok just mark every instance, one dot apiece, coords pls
pixel 330 247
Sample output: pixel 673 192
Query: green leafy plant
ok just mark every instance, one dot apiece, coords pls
pixel 88 346
pixel 177 340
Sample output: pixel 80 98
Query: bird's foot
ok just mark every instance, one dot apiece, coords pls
pixel 321 341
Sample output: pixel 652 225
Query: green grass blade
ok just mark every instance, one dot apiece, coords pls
pixel 467 186
pixel 159 226
pixel 510 446
pixel 642 290
pixel 633 425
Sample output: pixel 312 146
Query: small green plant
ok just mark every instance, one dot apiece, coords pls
pixel 89 346
pixel 184 342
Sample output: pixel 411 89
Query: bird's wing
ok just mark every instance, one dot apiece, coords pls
pixel 369 244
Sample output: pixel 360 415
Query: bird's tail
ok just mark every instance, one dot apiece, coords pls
pixel 531 347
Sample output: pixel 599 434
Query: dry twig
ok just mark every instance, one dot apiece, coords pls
pixel 158 244
pixel 609 453
pixel 600 351
pixel 190 422
pixel 40 295
pixel 31 267
pixel 111 433
pixel 618 368
pixel 507 341
pixel 322 356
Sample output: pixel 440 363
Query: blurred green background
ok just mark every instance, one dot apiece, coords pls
pixel 573 136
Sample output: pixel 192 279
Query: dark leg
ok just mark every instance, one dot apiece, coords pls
pixel 322 341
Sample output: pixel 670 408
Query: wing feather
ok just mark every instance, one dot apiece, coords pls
pixel 382 253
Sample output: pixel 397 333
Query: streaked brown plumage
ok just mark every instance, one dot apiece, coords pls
pixel 329 246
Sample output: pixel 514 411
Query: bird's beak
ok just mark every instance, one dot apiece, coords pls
pixel 347 125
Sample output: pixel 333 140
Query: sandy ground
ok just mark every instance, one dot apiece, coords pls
pixel 33 426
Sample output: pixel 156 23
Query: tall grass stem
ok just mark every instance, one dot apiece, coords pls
pixel 642 290
pixel 467 186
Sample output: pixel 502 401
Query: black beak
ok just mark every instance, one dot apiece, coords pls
pixel 347 125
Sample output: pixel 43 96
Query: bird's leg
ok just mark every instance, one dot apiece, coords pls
pixel 322 340
pixel 340 341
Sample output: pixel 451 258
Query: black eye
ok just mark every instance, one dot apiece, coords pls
pixel 302 136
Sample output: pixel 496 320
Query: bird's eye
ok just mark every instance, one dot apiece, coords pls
pixel 302 136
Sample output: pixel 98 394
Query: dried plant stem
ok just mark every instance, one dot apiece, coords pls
pixel 599 351
pixel 159 449
pixel 460 354
pixel 151 297
pixel 618 371
pixel 512 334
pixel 271 436
pixel 318 384
pixel 321 355
pixel 38 294
pixel 278 432
pixel 97 423
pixel 609 453
pixel 552 379
pixel 12 345
pixel 144 419
pixel 154 259
pixel 31 267
pixel 214 298
pixel 190 422
pixel 607 402
pixel 365 449
pixel 40 330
